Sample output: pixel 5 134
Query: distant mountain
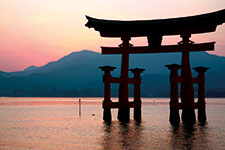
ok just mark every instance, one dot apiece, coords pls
pixel 77 74
pixel 31 68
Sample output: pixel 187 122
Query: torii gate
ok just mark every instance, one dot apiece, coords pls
pixel 154 30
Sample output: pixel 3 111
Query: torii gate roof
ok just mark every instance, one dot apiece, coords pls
pixel 172 26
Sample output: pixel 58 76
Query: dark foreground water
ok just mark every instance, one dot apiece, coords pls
pixel 54 123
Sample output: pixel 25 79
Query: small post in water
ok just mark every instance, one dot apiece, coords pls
pixel 79 107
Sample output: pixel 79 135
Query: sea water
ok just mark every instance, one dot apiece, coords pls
pixel 54 123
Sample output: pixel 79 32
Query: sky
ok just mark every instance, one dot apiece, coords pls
pixel 35 32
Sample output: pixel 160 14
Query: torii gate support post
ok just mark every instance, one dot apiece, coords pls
pixel 174 94
pixel 187 89
pixel 124 110
pixel 137 93
pixel 107 117
pixel 201 93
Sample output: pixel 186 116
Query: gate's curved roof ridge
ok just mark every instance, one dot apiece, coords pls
pixel 172 26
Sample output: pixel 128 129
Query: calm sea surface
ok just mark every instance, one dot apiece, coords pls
pixel 54 123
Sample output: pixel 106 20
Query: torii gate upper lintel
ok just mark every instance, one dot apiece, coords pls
pixel 154 30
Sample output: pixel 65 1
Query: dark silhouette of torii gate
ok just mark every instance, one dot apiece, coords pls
pixel 154 30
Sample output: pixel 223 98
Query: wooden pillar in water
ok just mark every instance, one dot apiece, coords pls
pixel 124 110
pixel 137 93
pixel 174 94
pixel 107 117
pixel 201 93
pixel 187 89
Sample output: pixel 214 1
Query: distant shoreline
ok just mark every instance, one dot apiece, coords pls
pixel 80 97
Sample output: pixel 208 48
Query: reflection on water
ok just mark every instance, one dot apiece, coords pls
pixel 122 136
pixel 189 137
pixel 131 136
pixel 54 123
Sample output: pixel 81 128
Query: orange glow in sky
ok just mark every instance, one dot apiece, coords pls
pixel 35 32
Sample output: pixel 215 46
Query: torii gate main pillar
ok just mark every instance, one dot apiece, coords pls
pixel 187 89
pixel 124 110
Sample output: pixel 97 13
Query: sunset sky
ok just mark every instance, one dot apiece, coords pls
pixel 35 32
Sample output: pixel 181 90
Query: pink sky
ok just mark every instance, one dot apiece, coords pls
pixel 35 32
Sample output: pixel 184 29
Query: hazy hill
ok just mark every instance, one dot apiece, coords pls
pixel 77 74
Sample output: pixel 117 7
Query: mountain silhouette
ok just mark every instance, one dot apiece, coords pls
pixel 77 74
